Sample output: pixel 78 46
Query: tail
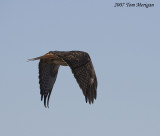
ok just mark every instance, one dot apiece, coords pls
pixel 48 55
pixel 35 58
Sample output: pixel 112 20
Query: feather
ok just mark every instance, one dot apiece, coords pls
pixel 82 69
pixel 47 77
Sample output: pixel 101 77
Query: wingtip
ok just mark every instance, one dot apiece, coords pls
pixel 45 101
pixel 46 104
pixel 86 98
pixel 41 97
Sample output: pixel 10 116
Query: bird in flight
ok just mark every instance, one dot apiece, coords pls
pixel 81 66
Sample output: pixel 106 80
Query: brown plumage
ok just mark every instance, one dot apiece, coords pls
pixel 81 66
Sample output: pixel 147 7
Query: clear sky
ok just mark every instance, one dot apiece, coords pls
pixel 124 45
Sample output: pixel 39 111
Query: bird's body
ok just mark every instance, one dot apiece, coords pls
pixel 81 66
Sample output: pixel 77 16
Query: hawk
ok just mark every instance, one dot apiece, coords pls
pixel 81 66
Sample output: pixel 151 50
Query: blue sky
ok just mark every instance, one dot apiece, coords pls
pixel 124 45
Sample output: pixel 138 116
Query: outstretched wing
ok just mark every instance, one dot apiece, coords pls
pixel 47 77
pixel 83 70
